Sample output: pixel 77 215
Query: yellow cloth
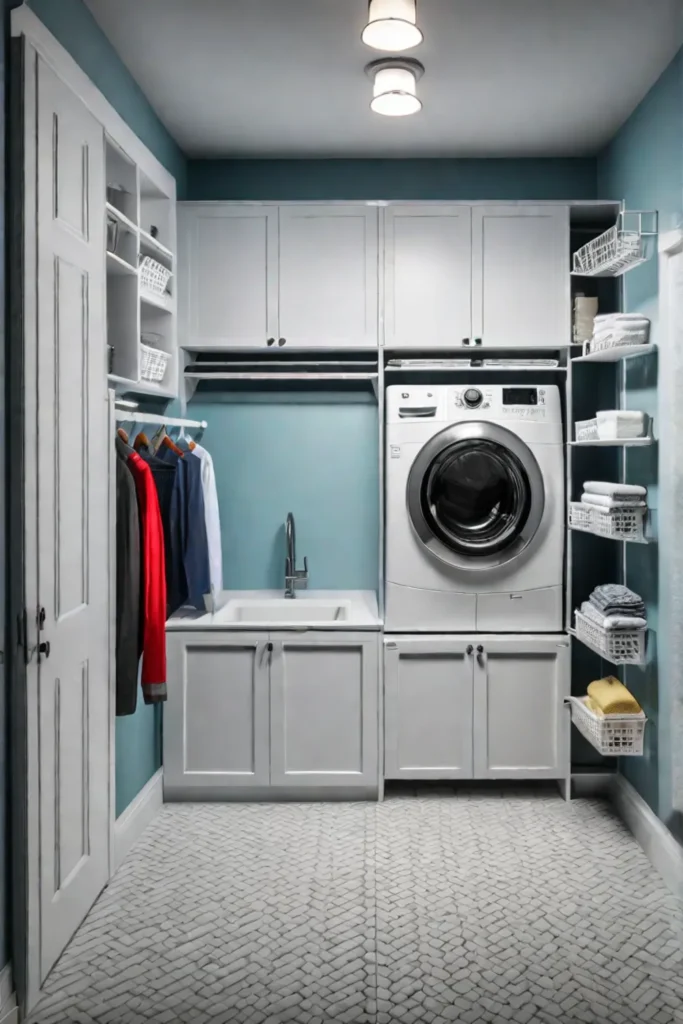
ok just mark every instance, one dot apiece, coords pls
pixel 612 697
pixel 592 706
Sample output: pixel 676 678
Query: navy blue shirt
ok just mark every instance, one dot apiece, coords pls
pixel 190 576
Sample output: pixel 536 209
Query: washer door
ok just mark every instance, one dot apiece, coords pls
pixel 476 496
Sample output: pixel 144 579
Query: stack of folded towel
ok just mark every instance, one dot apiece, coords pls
pixel 621 424
pixel 614 607
pixel 609 496
pixel 620 328
pixel 609 696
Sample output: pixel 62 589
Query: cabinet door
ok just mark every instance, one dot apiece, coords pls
pixel 228 275
pixel 328 276
pixel 427 709
pixel 427 276
pixel 520 278
pixel 216 716
pixel 521 725
pixel 324 727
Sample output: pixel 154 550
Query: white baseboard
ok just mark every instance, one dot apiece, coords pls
pixel 136 817
pixel 664 852
pixel 9 1014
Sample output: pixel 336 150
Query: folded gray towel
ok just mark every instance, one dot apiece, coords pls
pixel 615 593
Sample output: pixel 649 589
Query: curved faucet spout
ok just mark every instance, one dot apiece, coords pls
pixel 294 577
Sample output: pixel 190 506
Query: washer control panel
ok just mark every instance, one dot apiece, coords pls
pixel 452 403
pixel 519 403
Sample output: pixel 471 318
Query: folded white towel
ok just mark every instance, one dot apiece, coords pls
pixel 627 415
pixel 615 490
pixel 612 621
pixel 605 502
pixel 621 318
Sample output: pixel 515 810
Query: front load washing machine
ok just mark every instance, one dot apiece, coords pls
pixel 474 509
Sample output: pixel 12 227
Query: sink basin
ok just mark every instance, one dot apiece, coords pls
pixel 276 610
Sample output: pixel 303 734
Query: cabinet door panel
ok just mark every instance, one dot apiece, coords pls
pixel 324 711
pixel 521 282
pixel 427 710
pixel 216 717
pixel 522 726
pixel 228 283
pixel 428 276
pixel 328 276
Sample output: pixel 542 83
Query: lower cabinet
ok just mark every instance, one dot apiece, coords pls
pixel 476 707
pixel 250 711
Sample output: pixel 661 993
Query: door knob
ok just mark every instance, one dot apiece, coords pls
pixel 469 649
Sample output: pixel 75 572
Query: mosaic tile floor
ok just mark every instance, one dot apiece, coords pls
pixel 507 906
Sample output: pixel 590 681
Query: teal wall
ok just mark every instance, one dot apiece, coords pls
pixel 392 179
pixel 74 26
pixel 644 166
pixel 315 455
pixel 138 751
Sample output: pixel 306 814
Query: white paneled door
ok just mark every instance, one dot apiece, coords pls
pixel 69 744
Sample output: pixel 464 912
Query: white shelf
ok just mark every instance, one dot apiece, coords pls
pixel 631 442
pixel 614 355
pixel 152 247
pixel 122 219
pixel 162 302
pixel 117 266
pixel 596 533
pixel 140 387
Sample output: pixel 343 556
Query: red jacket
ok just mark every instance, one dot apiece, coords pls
pixel 153 603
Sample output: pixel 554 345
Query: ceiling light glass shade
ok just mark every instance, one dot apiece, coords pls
pixel 394 93
pixel 392 25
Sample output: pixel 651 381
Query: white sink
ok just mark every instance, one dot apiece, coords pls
pixel 285 610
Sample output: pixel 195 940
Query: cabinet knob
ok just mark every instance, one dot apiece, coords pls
pixel 480 649
pixel 469 649
pixel 465 341
pixel 269 648
pixel 477 341
pixel 281 341
pixel 270 341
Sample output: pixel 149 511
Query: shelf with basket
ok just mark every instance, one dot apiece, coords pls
pixel 623 524
pixel 623 246
pixel 618 646
pixel 611 735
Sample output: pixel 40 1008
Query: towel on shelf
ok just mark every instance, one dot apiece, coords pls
pixel 623 319
pixel 604 501
pixel 592 706
pixel 615 599
pixel 617 491
pixel 612 697
pixel 612 623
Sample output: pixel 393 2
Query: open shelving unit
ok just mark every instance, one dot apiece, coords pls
pixel 141 222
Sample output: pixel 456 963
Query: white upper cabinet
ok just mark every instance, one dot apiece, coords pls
pixel 328 280
pixel 520 276
pixel 265 277
pixel 228 276
pixel 428 276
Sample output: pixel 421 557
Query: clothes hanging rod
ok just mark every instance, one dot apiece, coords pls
pixel 134 416
pixel 281 376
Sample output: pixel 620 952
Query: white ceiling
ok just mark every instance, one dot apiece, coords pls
pixel 285 77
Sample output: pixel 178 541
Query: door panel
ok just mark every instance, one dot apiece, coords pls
pixel 522 725
pixel 324 710
pixel 328 286
pixel 427 710
pixel 520 278
pixel 428 276
pixel 216 717
pixel 72 456
pixel 228 282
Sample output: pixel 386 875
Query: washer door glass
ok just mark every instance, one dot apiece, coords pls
pixel 476 497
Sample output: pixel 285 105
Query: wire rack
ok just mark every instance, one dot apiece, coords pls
pixel 611 735
pixel 620 248
pixel 619 523
pixel 618 646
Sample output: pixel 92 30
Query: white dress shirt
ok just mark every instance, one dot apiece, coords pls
pixel 212 515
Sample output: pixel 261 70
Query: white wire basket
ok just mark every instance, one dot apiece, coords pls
pixel 618 646
pixel 586 430
pixel 153 363
pixel 617 249
pixel 620 338
pixel 612 735
pixel 153 276
pixel 619 523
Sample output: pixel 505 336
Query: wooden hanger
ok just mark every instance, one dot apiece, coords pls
pixel 174 447
pixel 123 435
pixel 140 442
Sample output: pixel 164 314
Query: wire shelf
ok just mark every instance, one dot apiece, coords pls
pixel 618 646
pixel 620 248
pixel 619 524
pixel 611 735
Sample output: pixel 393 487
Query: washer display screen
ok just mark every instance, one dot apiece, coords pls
pixel 520 396
pixel 476 496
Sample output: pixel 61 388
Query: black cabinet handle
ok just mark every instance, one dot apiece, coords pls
pixel 477 341
pixel 480 649
pixel 281 341
pixel 269 648
pixel 465 341
pixel 270 341
pixel 469 649
pixel 44 648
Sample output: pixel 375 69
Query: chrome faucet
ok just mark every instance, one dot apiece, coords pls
pixel 295 579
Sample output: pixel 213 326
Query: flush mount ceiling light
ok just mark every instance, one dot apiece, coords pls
pixel 395 86
pixel 392 25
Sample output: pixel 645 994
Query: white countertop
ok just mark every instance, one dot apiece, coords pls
pixel 269 610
